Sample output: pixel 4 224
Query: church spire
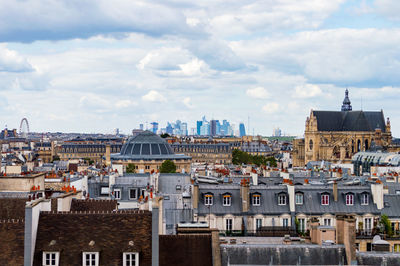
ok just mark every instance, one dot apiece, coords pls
pixel 346 102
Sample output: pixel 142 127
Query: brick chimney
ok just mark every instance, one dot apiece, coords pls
pixel 108 154
pixel 195 196
pixel 346 235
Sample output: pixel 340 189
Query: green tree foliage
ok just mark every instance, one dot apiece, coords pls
pixel 241 157
pixel 165 135
pixel 386 225
pixel 130 168
pixel 168 166
pixel 56 158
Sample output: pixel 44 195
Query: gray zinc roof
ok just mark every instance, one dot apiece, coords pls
pixel 312 200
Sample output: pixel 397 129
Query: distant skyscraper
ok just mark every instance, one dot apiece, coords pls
pixel 184 130
pixel 116 131
pixel 169 129
pixel 242 130
pixel 277 132
pixel 213 127
pixel 205 129
pixel 141 126
pixel 154 127
pixel 198 127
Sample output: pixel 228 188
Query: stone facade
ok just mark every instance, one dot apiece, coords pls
pixel 336 136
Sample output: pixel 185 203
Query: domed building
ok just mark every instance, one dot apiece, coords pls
pixel 148 151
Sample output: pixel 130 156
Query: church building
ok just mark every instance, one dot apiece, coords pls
pixel 335 136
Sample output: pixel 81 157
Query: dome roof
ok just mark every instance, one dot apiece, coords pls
pixel 146 143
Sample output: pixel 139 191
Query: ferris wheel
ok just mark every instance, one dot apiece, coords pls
pixel 24 128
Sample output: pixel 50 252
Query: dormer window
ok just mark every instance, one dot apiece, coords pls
pixel 281 199
pixel 50 258
pixel 131 259
pixel 349 199
pixel 325 199
pixel 226 199
pixel 364 199
pixel 208 199
pixel 299 198
pixel 256 199
pixel 90 259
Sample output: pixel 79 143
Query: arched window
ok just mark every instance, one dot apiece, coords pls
pixel 352 146
pixel 311 144
pixel 336 152
pixel 358 145
pixel 366 144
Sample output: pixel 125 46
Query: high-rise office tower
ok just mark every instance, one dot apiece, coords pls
pixel 242 130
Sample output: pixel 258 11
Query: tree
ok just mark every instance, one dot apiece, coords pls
pixel 386 225
pixel 130 168
pixel 165 135
pixel 168 166
pixel 56 158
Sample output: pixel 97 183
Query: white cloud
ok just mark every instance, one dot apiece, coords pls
pixel 188 102
pixel 271 108
pixel 258 93
pixel 307 91
pixel 11 61
pixel 124 103
pixel 153 96
pixel 388 8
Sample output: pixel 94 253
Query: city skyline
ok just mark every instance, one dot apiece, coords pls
pixel 101 65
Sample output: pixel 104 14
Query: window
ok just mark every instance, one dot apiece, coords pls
pixel 105 191
pixel 367 224
pixel 302 224
pixel 364 199
pixel 256 200
pixel 396 248
pixel 227 199
pixel 258 224
pixel 90 259
pixel 117 193
pixel 131 259
pixel 133 193
pixel 50 258
pixel 325 199
pixel 327 222
pixel 299 199
pixel 228 224
pixel 285 222
pixel 282 199
pixel 147 167
pixel 208 199
pixel 349 199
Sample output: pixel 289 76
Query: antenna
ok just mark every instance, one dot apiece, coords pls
pixel 361 103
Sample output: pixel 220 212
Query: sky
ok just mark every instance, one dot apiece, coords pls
pixel 96 65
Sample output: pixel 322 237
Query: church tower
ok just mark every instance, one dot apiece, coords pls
pixel 346 102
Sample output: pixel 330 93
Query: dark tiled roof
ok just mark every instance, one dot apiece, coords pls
pixel 185 250
pixel 111 233
pixel 12 208
pixel 349 121
pixel 12 242
pixel 93 205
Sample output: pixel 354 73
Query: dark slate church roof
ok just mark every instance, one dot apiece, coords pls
pixel 350 120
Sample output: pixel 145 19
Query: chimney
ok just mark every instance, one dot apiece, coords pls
pixel 245 194
pixel 195 199
pixel 346 235
pixel 254 177
pixel 155 223
pixel 377 194
pixel 335 192
pixel 108 155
